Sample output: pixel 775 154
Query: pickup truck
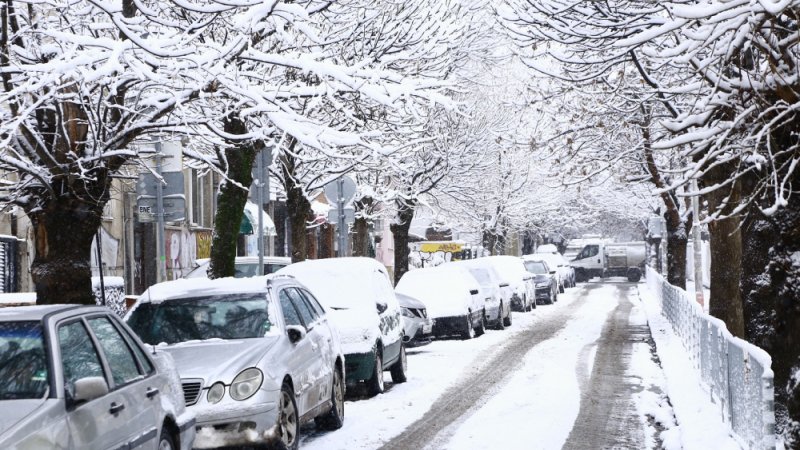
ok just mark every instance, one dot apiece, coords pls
pixel 603 259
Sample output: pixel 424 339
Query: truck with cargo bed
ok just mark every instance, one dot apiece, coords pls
pixel 604 259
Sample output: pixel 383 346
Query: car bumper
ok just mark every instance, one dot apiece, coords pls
pixel 232 423
pixel 543 294
pixel 448 326
pixel 358 367
pixel 417 331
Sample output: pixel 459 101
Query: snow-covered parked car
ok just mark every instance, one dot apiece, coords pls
pixel 362 305
pixel 453 299
pixel 257 356
pixel 417 326
pixel 496 291
pixel 512 271
pixel 545 281
pixel 76 377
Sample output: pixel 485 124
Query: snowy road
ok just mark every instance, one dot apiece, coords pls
pixel 577 374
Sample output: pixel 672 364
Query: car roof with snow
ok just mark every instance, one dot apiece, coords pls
pixel 202 287
pixel 38 312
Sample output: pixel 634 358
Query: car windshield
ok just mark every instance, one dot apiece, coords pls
pixel 536 267
pixel 482 275
pixel 198 318
pixel 23 365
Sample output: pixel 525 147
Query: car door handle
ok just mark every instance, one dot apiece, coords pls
pixel 151 392
pixel 116 407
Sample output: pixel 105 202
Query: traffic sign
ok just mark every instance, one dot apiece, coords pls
pixel 341 189
pixel 349 215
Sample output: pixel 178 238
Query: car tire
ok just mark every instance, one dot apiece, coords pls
pixel 501 325
pixel 334 419
pixel 288 419
pixel 468 332
pixel 375 384
pixel 533 304
pixel 481 329
pixel 561 289
pixel 507 320
pixel 166 441
pixel 399 368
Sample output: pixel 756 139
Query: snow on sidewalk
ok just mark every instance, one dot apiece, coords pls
pixel 699 421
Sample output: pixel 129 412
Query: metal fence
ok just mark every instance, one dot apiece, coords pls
pixel 737 374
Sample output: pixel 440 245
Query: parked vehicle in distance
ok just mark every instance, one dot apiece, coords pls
pixel 246 266
pixel 564 272
pixel 76 377
pixel 603 259
pixel 496 291
pixel 257 356
pixel 453 299
pixel 362 305
pixel 417 326
pixel 512 271
pixel 545 279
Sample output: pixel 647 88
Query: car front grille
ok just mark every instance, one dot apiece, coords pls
pixel 191 390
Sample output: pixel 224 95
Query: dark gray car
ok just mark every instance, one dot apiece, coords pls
pixel 75 377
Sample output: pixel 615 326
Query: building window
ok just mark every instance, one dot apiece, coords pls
pixel 203 202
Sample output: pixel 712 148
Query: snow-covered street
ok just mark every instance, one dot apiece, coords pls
pixel 582 373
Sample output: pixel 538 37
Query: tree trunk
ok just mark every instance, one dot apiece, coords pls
pixel 677 237
pixel 489 240
pixel 726 257
pixel 405 214
pixel 63 233
pixel 230 201
pixel 297 206
pixel 361 228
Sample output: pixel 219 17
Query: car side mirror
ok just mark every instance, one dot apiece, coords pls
pixel 381 307
pixel 552 272
pixel 502 285
pixel 88 389
pixel 473 291
pixel 295 333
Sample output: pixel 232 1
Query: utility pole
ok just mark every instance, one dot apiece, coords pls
pixel 161 263
pixel 697 246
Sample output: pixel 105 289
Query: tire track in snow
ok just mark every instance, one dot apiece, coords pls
pixel 608 417
pixel 470 393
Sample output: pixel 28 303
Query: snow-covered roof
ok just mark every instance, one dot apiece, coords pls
pixel 202 287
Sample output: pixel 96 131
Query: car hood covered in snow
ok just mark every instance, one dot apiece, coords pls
pixel 217 359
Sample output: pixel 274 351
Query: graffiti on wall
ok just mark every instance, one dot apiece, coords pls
pixel 432 254
pixel 181 253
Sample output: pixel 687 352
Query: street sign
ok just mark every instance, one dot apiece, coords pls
pixel 174 208
pixel 334 194
pixel 147 193
pixel 349 215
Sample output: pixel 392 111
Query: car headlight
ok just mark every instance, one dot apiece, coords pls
pixel 543 284
pixel 246 383
pixel 406 312
pixel 215 393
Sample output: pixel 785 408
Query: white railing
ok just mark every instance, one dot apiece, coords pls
pixel 736 373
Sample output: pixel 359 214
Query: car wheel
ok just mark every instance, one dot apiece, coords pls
pixel 561 288
pixel 288 421
pixel 375 384
pixel 507 320
pixel 500 321
pixel 533 304
pixel 166 442
pixel 334 419
pixel 468 332
pixel 399 368
pixel 481 329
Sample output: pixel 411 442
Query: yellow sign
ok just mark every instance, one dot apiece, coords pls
pixel 447 247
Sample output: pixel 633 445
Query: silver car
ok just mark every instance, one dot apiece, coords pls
pixel 257 356
pixel 74 377
pixel 417 326
pixel 244 266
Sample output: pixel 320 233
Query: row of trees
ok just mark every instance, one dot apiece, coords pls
pixel 680 91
